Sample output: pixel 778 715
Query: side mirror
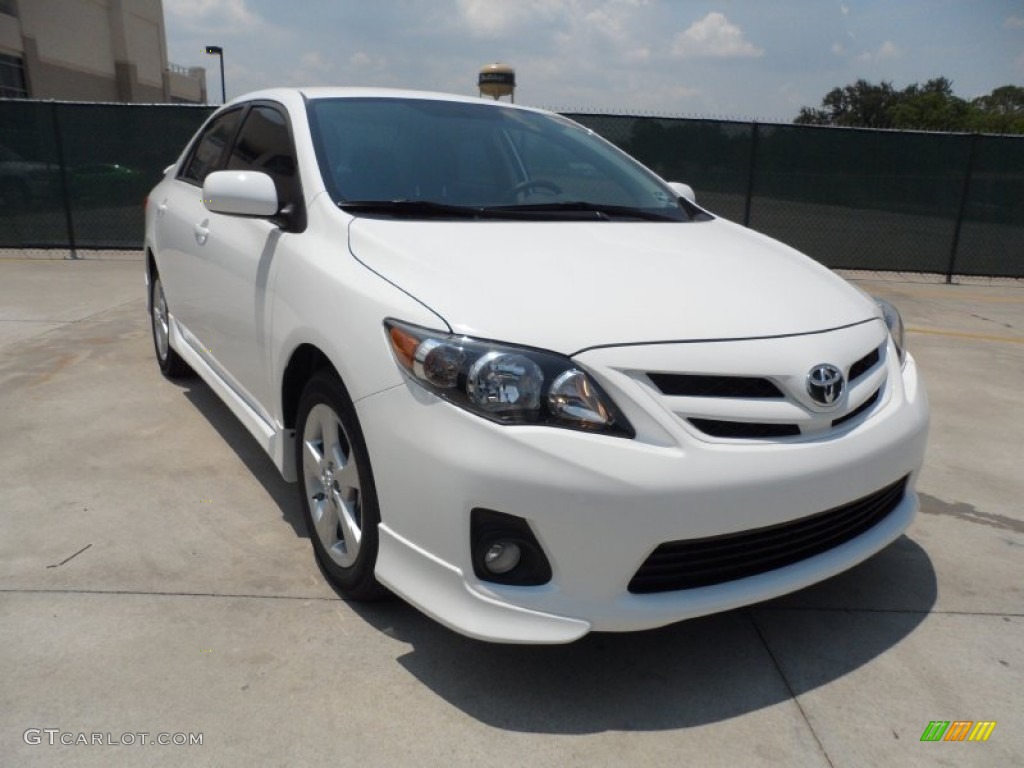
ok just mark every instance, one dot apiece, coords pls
pixel 241 193
pixel 683 190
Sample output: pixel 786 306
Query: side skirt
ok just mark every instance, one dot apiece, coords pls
pixel 279 443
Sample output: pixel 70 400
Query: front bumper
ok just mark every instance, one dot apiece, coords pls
pixel 600 505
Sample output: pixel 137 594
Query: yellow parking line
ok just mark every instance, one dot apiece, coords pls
pixel 952 295
pixel 966 335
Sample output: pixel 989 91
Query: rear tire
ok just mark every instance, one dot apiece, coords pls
pixel 171 364
pixel 339 499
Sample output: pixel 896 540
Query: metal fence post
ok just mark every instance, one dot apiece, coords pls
pixel 750 175
pixel 64 188
pixel 964 191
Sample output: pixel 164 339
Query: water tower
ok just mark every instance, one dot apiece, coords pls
pixel 497 80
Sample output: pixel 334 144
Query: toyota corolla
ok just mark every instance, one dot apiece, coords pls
pixel 520 380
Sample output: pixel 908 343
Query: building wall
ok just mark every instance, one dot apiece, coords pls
pixel 10 34
pixel 95 50
pixel 142 38
pixel 188 88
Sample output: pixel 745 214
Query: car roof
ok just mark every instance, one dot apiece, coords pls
pixel 337 92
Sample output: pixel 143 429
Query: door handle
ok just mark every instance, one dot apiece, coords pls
pixel 202 231
pixel 161 209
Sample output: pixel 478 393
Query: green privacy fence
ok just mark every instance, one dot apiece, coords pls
pixel 75 175
pixel 851 198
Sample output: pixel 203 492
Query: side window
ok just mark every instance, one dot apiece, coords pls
pixel 264 145
pixel 210 147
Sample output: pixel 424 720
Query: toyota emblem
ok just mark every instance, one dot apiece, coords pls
pixel 825 384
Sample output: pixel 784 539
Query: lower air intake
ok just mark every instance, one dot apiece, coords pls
pixel 717 559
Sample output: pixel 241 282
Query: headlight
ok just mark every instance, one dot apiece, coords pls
pixel 895 325
pixel 505 383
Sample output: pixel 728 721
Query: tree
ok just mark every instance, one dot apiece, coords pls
pixel 862 104
pixel 1002 111
pixel 929 107
pixel 1006 100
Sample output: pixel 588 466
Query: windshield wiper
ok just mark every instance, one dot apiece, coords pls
pixel 417 208
pixel 600 211
pixel 577 210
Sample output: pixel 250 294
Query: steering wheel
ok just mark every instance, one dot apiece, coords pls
pixel 535 183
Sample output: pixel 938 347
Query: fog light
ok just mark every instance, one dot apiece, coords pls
pixel 505 551
pixel 502 557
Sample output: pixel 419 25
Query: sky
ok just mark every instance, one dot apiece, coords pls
pixel 743 59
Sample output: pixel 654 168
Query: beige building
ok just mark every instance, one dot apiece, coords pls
pixel 91 50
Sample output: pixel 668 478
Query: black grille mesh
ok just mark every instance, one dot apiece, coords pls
pixel 744 430
pixel 864 365
pixel 717 559
pixel 694 385
pixel 858 410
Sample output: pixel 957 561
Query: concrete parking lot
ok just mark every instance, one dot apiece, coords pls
pixel 155 578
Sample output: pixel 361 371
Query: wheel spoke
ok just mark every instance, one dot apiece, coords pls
pixel 325 517
pixel 348 477
pixel 311 460
pixel 353 534
pixel 329 430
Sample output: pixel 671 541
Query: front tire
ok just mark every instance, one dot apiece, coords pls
pixel 171 364
pixel 339 500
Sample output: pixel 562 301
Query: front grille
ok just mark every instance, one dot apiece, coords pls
pixel 718 559
pixel 864 365
pixel 858 410
pixel 744 430
pixel 693 385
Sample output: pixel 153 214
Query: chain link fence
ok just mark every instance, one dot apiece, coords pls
pixel 75 175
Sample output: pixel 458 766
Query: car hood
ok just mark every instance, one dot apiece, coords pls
pixel 569 286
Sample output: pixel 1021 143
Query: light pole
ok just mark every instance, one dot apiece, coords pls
pixel 218 51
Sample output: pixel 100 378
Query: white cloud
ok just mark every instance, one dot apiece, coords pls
pixel 486 18
pixel 214 17
pixel 314 60
pixel 838 49
pixel 716 37
pixel 643 53
pixel 359 59
pixel 791 95
pixel 1014 22
pixel 887 51
pixel 844 9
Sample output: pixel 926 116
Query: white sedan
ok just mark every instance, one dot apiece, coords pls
pixel 520 380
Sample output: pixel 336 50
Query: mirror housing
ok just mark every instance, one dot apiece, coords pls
pixel 683 190
pixel 241 193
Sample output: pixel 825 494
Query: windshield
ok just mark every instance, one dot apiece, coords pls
pixel 484 158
